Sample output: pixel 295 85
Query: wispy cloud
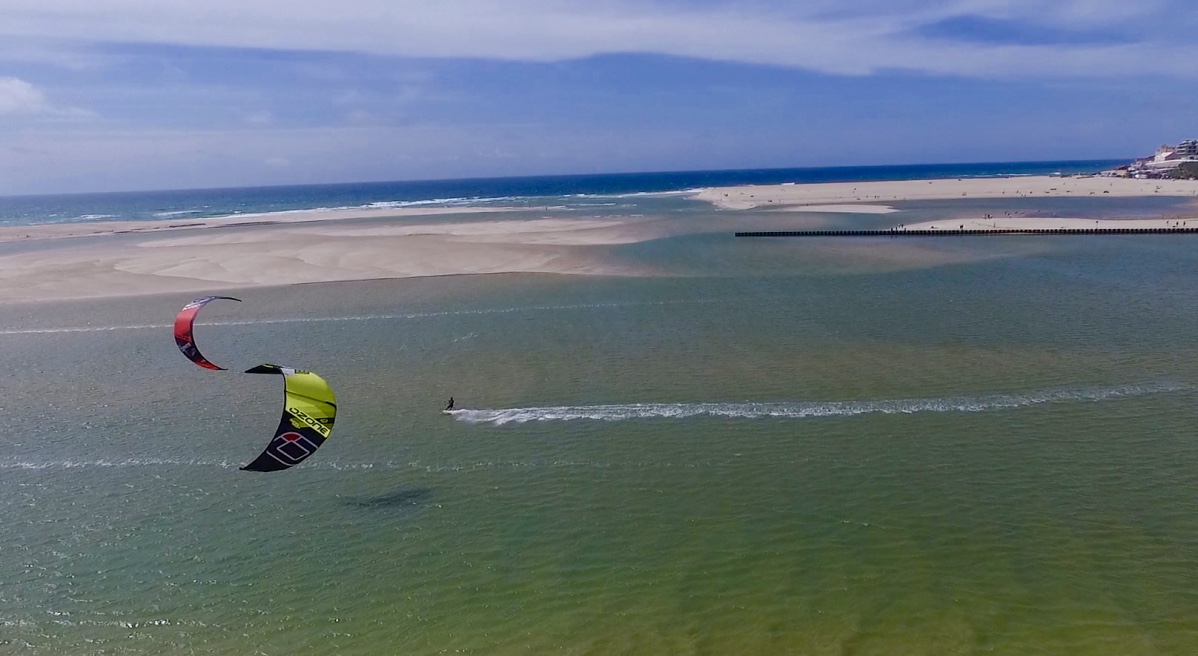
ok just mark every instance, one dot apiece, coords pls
pixel 988 37
pixel 981 29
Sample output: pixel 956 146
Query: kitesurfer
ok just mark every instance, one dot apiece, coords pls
pixel 449 406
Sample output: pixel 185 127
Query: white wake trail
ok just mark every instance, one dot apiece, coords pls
pixel 803 409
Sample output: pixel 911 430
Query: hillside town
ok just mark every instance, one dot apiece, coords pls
pixel 1172 162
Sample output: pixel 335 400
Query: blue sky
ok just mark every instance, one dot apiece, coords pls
pixel 106 95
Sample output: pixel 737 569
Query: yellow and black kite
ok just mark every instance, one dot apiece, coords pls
pixel 309 409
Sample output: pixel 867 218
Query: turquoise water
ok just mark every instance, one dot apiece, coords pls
pixel 767 447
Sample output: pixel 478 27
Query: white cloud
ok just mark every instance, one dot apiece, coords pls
pixel 838 37
pixel 20 97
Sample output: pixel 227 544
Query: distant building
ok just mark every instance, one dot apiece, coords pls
pixel 1164 161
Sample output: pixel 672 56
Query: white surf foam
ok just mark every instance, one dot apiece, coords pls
pixel 802 409
pixel 464 201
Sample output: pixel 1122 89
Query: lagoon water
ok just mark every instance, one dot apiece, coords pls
pixel 756 447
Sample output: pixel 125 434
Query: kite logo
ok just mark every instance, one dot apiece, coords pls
pixel 291 448
pixel 307 420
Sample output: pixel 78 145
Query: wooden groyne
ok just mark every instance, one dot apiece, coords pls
pixel 998 232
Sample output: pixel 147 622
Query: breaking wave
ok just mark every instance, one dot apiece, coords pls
pixel 803 409
pixel 462 201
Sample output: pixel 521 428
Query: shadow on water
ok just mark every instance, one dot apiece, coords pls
pixel 400 499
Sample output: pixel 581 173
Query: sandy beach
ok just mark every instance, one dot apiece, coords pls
pixel 128 258
pixel 879 194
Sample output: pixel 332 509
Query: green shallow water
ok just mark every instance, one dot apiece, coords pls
pixel 995 456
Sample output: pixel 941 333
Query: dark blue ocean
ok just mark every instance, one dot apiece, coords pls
pixel 531 191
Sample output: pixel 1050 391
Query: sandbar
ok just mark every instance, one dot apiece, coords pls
pixel 837 209
pixel 203 259
pixel 1046 223
pixel 794 196
pixel 223 254
pixel 98 228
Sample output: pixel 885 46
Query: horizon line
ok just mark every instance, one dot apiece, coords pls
pixel 562 176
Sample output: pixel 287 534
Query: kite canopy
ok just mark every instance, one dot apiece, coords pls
pixel 184 337
pixel 309 409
